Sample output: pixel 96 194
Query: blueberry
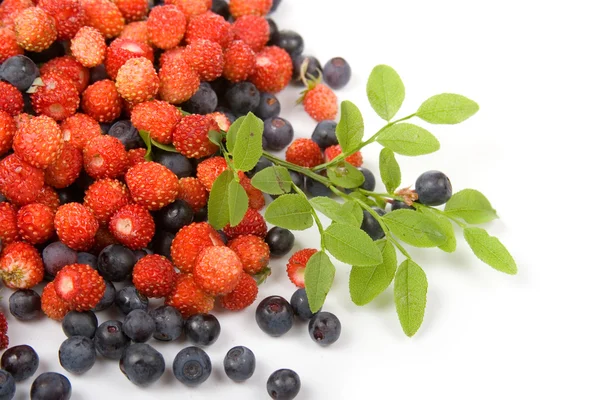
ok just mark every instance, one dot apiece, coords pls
pixel 25 304
pixel 313 69
pixel 275 5
pixel 127 134
pixel 139 326
pixel 336 73
pixel 316 188
pixel 223 236
pixel 2 198
pixel 239 363
pixel 192 366
pixel 371 226
pixel 434 188
pixel 142 364
pixel 204 101
pixel 115 262
pixel 139 254
pixel 400 205
pixel 56 255
pixel 297 179
pixel 242 98
pixel 283 384
pixel 110 341
pixel 274 315
pixel 290 41
pixel 19 71
pixel 77 323
pixel 221 7
pixel 71 194
pixel 174 216
pixel 77 354
pixel 203 329
pixel 273 30
pixel 369 183
pixel 220 86
pixel 50 386
pixel 87 259
pixel 280 241
pixel 27 104
pixel 161 243
pixel 129 299
pixel 109 297
pixel 83 181
pixel 169 323
pixel 201 215
pixel 55 50
pixel 268 107
pixel 278 133
pixel 260 165
pixel 7 386
pixel 105 127
pixel 227 112
pixel 21 361
pixel 299 303
pixel 324 328
pixel 98 73
pixel 175 162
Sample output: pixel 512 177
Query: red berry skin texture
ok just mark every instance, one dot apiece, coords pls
pixel 332 152
pixel 193 192
pixel 252 30
pixel 88 47
pixel 304 152
pixel 190 136
pixel 21 266
pixel 35 29
pixel 8 44
pixel 103 15
pixel 156 117
pixel 9 230
pixel 80 286
pixel 53 306
pixel 105 197
pixel 76 226
pixel 178 81
pixel 105 157
pixel 253 252
pixel 65 169
pixel 70 68
pixel 36 223
pixel 242 296
pixel 217 270
pixel 321 103
pixel 137 31
pixel 38 141
pixel 8 128
pixel 101 101
pixel 188 298
pixel 58 98
pixel 121 50
pixel 297 264
pixel 166 26
pixel 68 16
pixel 239 8
pixel 209 170
pixel 137 80
pixel 20 182
pixel 152 185
pixel 252 224
pixel 79 129
pixel 209 26
pixel 133 226
pixel 154 276
pixel 11 100
pixel 239 61
pixel 190 241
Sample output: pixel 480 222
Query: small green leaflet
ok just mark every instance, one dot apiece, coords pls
pixel 472 206
pixel 215 137
pixel 446 228
pixel 367 200
pixel 145 135
pixel 415 228
pixel 248 143
pixel 328 207
pixel 489 250
pixel 218 200
pixel 385 91
pixel 232 133
pixel 366 283
pixel 410 294
pixel 389 170
pixel 348 213
pixel 238 202
pixel 273 180
pixel 447 108
pixel 351 213
pixel 290 211
pixel 408 140
pixel 351 245
pixel 345 175
pixel 318 278
pixel 166 147
pixel 351 128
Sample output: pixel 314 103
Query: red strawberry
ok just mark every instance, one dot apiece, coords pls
pixel 102 239
pixel 8 128
pixel 332 152
pixel 304 152
pixel 105 197
pixel 297 264
pixel 166 26
pixel 320 102
pixel 35 29
pixel 121 50
pixel 75 226
pixel 38 142
pixel 242 296
pixel 178 81
pixel 239 8
pixel 65 169
pixel 3 330
pixel 193 192
pixel 169 56
pixel 79 129
pixel 136 31
pixel 252 251
pixel 8 44
pixel 209 26
pixel 70 68
pixel 80 286
pixel 9 231
pixel 188 298
pixel 88 47
pixel 156 117
pixel 190 241
pixel 239 61
pixel 11 100
pixel 252 224
pixel 68 16
pixel 209 170
pixel 152 185
pixel 35 222
pixel 101 101
pixel 57 98
pixel 221 119
pixel 217 270
pixel 53 306
pixel 132 10
pixel 21 266
pixel 133 226
pixel 252 30
pixel 10 9
pixel 273 71
pixel 190 7
pixel 103 15
pixel 48 197
pixel 206 59
pixel 105 157
pixel 20 182
pixel 137 80
pixel 135 156
pixel 256 199
pixel 190 136
pixel 154 276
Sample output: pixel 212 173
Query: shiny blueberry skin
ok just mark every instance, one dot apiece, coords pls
pixel 239 363
pixel 127 134
pixel 283 384
pixel 400 205
pixel 142 364
pixel 369 183
pixel 7 386
pixel 77 354
pixel 25 304
pixel 139 326
pixel 174 216
pixel 371 226
pixel 278 133
pixel 204 101
pixel 109 297
pixel 273 30
pixel 169 323
pixel 115 262
pixel 110 341
pixel 337 73
pixel 324 328
pixel 313 69
pixel 434 188
pixel 290 41
pixel 87 259
pixel 299 303
pixel 203 329
pixel 20 361
pixel 268 107
pixel 50 386
pixel 192 366
pixel 56 255
pixel 98 73
pixel 242 98
pixel 77 323
pixel 298 179
pixel 20 71
pixel 275 5
pixel 200 216
pixel 221 7
pixel 324 134
pixel 316 188
pixel 129 299
pixel 280 241
pixel 175 162
pixel 161 243
pixel 260 165
pixel 274 315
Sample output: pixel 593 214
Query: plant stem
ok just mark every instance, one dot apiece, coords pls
pixel 381 196
pixel 304 171
pixel 314 214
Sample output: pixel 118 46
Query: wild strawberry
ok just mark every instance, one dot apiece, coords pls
pixel 252 251
pixel 332 152
pixel 190 241
pixel 136 156
pixel 188 298
pixel 57 97
pixel 11 100
pixel 70 68
pixel 9 230
pixel 209 26
pixel 239 61
pixel 102 239
pixel 256 200
pixel 137 80
pixel 8 44
pixel 121 50
pixel 79 285
pixel 152 185
pixel 178 81
pixel 104 157
pixel 75 226
pixel 154 276
pixel 105 197
pixel 297 264
pixel 68 16
pixel 21 266
pixel 65 169
pixel 35 222
pixel 35 29
pixel 252 224
pixel 8 128
pixel 38 142
pixel 252 30
pixel 217 270
pixel 193 192
pixel 103 15
pixel 88 47
pixel 10 9
pixel 206 59
pixel 79 129
pixel 273 71
pixel 171 55
pixel 48 197
pixel 239 8
pixel 133 226
pixel 53 306
pixel 3 332
pixel 132 10
pixel 320 102
pixel 190 136
pixel 136 31
pixel 166 26
pixel 20 182
pixel 190 7
pixel 242 296
pixel 304 152
pixel 221 120
pixel 101 101
pixel 209 170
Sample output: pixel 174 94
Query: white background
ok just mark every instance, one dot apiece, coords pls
pixel 532 149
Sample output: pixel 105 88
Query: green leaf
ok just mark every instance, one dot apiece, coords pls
pixel 247 147
pixel 238 202
pixel 446 228
pixel 489 250
pixel 351 213
pixel 328 207
pixel 351 128
pixel 318 278
pixel 215 137
pixel 366 283
pixel 367 200
pixel 232 133
pixel 408 140
pixel 447 108
pixel 273 180
pixel 389 170
pixel 290 211
pixel 415 228
pixel 145 135
pixel 385 91
pixel 166 147
pixel 351 245
pixel 218 200
pixel 345 175
pixel 410 294
pixel 471 206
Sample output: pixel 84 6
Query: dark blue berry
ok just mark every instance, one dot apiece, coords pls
pixel 268 107
pixel 224 238
pixel 273 30
pixel 274 315
pixel 7 386
pixel 276 4
pixel 260 165
pixel 50 386
pixel 204 101
pixel 175 162
pixel 242 98
pixel 299 303
pixel 297 179
pixel 316 188
pixel 221 7
pixel 278 133
pixel 105 127
pixel 174 216
pixel 71 194
pixel 336 73
pixel 87 259
pixel 192 366
pixel 56 255
pixel 98 73
pixel 161 243
pixel 20 361
pixel 283 384
pixel 77 354
pixel 127 134
pixel 109 297
pixel 369 183
pixel 280 241
pixel 110 341
pixel 115 262
pixel 2 198
pixel 139 326
pixel 201 215
pixel 55 50
pixel 27 104
pixel 169 323
pixel 203 329
pixel 434 188
pixel 324 328
pixel 142 364
pixel 19 71
pixel 129 299
pixel 313 69
pixel 239 363
pixel 82 323
pixel 227 112
pixel 25 304
pixel 290 41
pixel 371 226
pixel 139 254
pixel 400 205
